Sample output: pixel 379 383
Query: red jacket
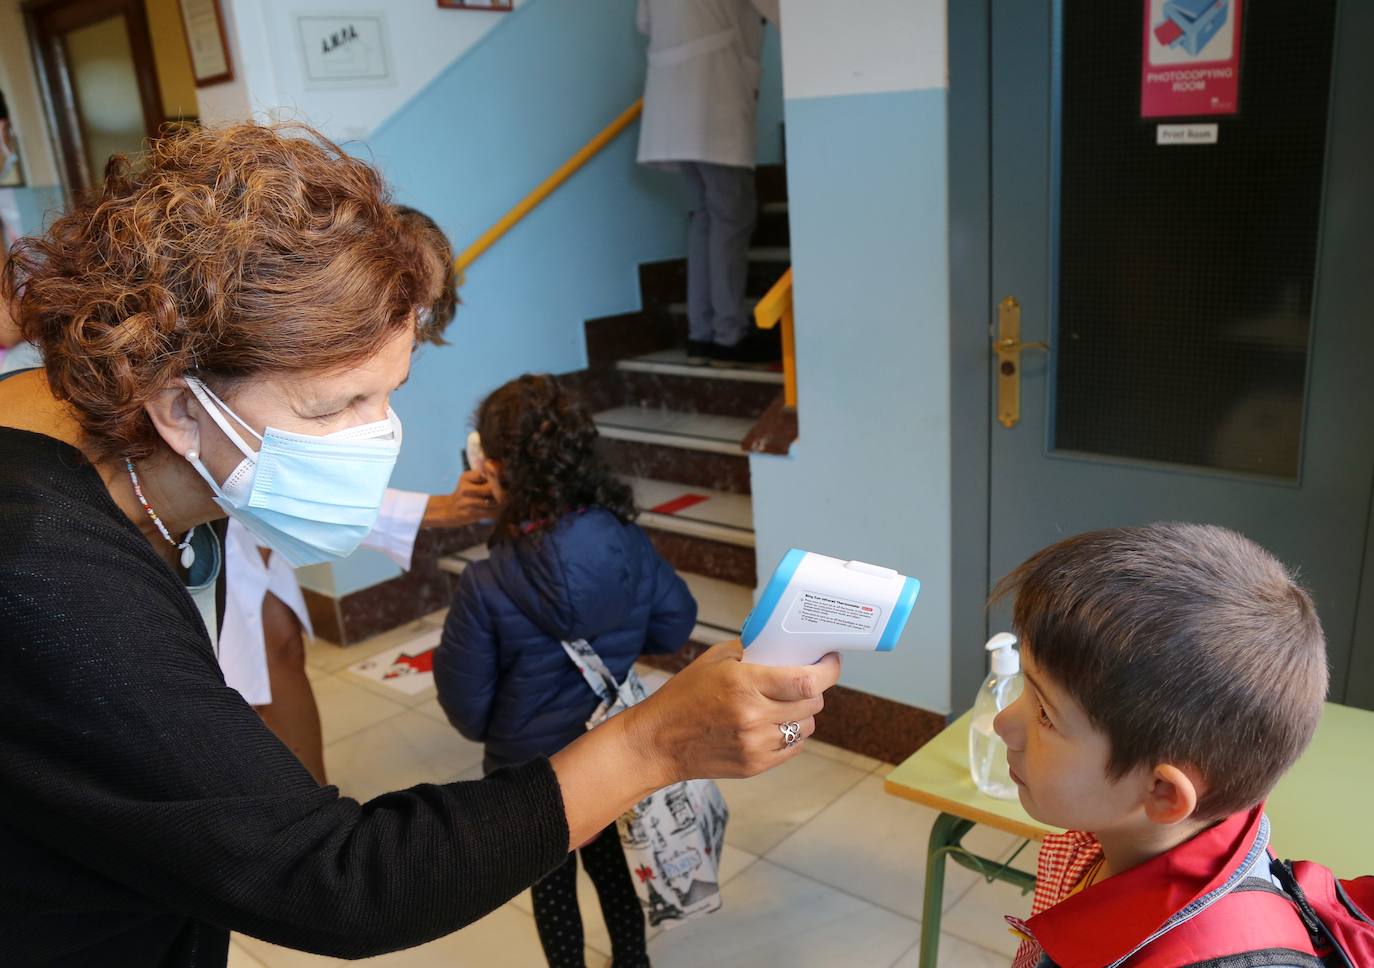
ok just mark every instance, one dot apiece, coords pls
pixel 1124 920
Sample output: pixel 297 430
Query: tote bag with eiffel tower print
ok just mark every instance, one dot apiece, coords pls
pixel 673 837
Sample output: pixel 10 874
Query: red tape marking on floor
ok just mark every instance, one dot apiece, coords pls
pixel 679 504
pixel 409 665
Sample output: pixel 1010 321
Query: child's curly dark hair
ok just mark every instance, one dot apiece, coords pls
pixel 546 442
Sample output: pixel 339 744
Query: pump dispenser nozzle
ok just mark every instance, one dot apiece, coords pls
pixel 1006 661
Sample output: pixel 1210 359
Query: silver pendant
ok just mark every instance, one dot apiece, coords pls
pixel 188 556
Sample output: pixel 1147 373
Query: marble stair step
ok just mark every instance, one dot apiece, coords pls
pixel 689 431
pixel 673 362
pixel 722 607
pixel 680 308
pixel 695 511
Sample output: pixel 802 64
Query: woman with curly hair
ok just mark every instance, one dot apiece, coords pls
pixel 222 328
pixel 265 623
pixel 567 563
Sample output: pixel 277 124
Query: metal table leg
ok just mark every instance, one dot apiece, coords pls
pixel 946 838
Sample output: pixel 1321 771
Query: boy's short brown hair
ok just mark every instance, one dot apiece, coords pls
pixel 1184 643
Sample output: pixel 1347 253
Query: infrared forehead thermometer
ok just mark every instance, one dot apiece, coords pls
pixel 814 604
pixel 477 460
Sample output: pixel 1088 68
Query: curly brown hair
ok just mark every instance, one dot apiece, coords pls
pixel 546 442
pixel 232 252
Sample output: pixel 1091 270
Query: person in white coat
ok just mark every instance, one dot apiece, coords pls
pixel 262 639
pixel 700 110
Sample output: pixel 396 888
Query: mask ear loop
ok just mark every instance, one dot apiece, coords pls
pixel 205 395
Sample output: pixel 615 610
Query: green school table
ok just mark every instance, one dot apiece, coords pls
pixel 1319 810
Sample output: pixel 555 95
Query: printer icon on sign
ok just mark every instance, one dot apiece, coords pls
pixel 1191 24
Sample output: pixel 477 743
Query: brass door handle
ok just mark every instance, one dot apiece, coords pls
pixel 1016 346
pixel 1008 347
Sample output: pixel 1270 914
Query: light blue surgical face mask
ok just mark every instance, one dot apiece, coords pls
pixel 309 498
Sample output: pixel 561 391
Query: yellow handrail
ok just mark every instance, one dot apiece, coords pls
pixel 773 308
pixel 546 188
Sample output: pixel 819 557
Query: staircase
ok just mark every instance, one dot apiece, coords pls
pixel 675 432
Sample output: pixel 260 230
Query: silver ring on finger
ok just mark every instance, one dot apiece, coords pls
pixel 791 732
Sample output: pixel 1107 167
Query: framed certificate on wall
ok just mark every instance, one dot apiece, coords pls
pixel 203 23
pixel 500 6
pixel 344 50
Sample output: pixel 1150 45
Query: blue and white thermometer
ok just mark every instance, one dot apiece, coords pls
pixel 814 604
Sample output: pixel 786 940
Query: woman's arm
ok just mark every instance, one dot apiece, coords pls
pixel 716 718
pixel 140 765
pixel 404 513
pixel 9 323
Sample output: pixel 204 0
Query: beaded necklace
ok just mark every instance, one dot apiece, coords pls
pixel 188 554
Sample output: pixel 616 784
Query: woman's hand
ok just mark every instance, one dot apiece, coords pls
pixel 470 502
pixel 718 717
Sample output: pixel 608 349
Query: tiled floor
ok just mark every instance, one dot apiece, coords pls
pixel 824 868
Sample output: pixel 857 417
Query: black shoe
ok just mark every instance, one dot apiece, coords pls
pixel 699 352
pixel 758 349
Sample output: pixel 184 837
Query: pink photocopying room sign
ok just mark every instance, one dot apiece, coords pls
pixel 1191 62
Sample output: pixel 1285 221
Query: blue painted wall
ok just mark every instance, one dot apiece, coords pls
pixel 869 476
pixel 37 206
pixel 468 147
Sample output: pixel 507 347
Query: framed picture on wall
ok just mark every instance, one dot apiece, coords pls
pixel 344 50
pixel 203 22
pixel 500 6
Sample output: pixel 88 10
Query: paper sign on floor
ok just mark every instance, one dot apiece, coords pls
pixel 407 668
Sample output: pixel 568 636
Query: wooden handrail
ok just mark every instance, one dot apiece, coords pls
pixel 776 307
pixel 546 188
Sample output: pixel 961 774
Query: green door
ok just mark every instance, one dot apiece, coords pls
pixel 1202 281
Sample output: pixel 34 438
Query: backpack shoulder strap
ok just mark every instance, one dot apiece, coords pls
pixel 1253 926
pixel 1332 915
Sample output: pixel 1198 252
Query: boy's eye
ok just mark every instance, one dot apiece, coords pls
pixel 1042 716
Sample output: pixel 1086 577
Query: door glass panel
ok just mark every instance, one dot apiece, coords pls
pixel 1185 273
pixel 105 88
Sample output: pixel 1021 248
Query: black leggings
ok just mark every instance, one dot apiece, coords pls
pixel 559 921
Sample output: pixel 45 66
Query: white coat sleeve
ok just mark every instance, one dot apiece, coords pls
pixel 397 525
pixel 768 9
pixel 642 17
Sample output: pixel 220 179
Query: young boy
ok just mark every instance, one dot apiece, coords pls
pixel 1173 673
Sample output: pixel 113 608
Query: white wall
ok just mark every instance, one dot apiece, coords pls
pixel 833 49
pixel 270 79
pixel 869 477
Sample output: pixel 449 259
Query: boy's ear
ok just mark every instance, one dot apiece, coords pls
pixel 1173 794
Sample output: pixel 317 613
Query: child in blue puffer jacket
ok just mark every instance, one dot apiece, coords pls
pixel 567 562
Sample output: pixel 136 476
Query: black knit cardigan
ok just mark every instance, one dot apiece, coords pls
pixel 146 810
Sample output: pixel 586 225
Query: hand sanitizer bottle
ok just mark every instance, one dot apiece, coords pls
pixel 987 754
